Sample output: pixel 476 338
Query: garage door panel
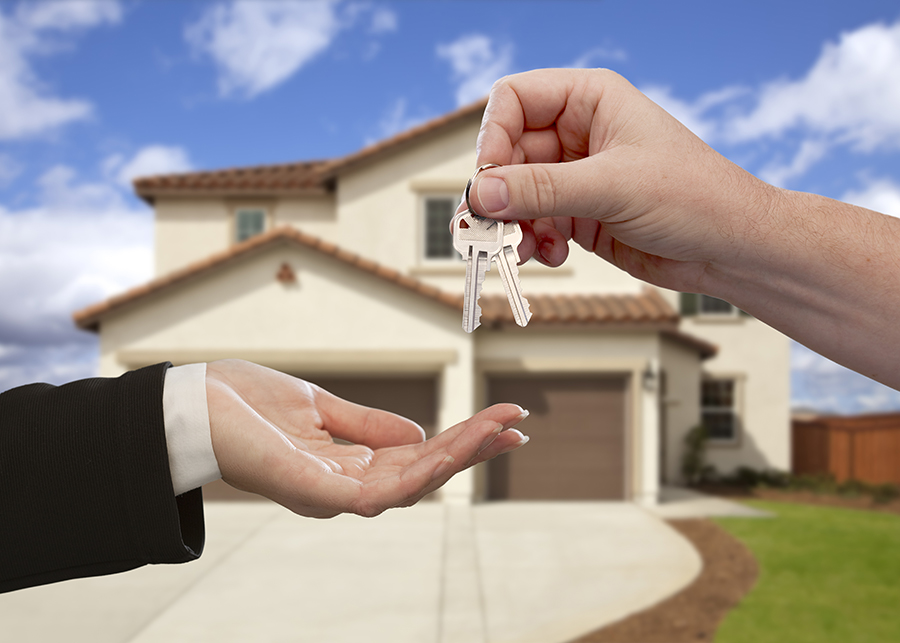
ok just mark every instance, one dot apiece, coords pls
pixel 577 447
pixel 411 397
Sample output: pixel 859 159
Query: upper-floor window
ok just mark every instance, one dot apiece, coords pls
pixel 718 408
pixel 696 304
pixel 249 222
pixel 438 242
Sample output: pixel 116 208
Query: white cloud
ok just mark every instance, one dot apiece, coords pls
pixel 148 161
pixel 80 244
pixel 849 97
pixel 810 153
pixel 258 45
pixel 476 65
pixel 590 58
pixel 881 195
pixel 820 384
pixel 695 115
pixel 27 106
pixel 852 93
pixel 397 119
pixel 67 15
pixel 383 21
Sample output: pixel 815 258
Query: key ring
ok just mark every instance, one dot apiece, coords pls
pixel 469 184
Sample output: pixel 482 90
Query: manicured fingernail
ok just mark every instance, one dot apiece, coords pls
pixel 490 438
pixel 523 439
pixel 442 467
pixel 492 194
pixel 524 414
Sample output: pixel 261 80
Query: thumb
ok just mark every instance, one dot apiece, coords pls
pixel 540 190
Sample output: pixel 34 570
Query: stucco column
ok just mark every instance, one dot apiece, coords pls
pixel 456 403
pixel 648 491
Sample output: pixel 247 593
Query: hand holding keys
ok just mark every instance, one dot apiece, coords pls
pixel 481 241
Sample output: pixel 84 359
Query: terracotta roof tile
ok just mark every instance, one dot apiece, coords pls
pixel 307 176
pixel 287 177
pixel 647 310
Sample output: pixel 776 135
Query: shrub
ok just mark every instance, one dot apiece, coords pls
pixel 693 460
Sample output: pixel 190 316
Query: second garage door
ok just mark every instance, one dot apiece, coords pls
pixel 577 447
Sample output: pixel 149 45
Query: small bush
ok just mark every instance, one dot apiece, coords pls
pixel 822 483
pixel 885 493
pixel 693 460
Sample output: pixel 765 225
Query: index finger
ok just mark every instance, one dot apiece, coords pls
pixel 519 106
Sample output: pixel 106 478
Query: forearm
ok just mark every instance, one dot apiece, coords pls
pixel 824 273
pixel 84 482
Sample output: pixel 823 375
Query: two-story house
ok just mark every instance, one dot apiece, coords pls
pixel 342 272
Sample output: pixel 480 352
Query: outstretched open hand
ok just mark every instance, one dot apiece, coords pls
pixel 273 435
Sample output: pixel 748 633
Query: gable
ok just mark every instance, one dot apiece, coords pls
pixel 284 296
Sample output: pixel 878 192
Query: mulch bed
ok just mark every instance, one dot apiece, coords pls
pixel 729 571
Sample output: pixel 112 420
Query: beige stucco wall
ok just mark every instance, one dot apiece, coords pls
pixel 188 230
pixel 243 308
pixel 681 404
pixel 758 357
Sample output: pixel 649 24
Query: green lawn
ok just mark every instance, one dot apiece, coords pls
pixel 825 575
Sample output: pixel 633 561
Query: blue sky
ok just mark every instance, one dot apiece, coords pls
pixel 804 94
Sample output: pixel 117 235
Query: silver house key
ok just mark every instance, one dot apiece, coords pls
pixel 506 256
pixel 508 262
pixel 477 239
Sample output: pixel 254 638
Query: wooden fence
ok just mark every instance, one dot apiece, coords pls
pixel 864 448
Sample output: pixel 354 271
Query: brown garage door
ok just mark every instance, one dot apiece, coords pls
pixel 412 397
pixel 577 447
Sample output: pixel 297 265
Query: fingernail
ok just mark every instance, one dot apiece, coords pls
pixel 544 250
pixel 490 438
pixel 442 467
pixel 492 194
pixel 523 439
pixel 524 414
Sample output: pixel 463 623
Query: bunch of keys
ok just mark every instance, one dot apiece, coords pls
pixel 481 241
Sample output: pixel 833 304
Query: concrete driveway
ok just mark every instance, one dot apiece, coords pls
pixel 489 573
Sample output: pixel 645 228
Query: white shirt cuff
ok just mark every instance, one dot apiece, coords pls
pixel 192 461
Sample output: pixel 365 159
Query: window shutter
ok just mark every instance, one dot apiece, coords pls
pixel 690 303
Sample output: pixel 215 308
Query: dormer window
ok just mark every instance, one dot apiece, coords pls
pixel 249 222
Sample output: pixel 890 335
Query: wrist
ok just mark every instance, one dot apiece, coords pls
pixel 756 223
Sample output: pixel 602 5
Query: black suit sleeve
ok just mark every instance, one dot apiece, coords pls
pixel 85 487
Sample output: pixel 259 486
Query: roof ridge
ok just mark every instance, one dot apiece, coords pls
pixel 300 175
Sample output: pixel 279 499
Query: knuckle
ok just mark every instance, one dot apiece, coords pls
pixel 543 194
pixel 368 509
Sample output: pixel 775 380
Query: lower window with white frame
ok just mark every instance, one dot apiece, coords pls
pixel 718 409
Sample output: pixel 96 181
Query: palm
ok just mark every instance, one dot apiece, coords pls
pixel 275 435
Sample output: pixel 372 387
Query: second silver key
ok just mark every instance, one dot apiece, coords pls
pixel 508 262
